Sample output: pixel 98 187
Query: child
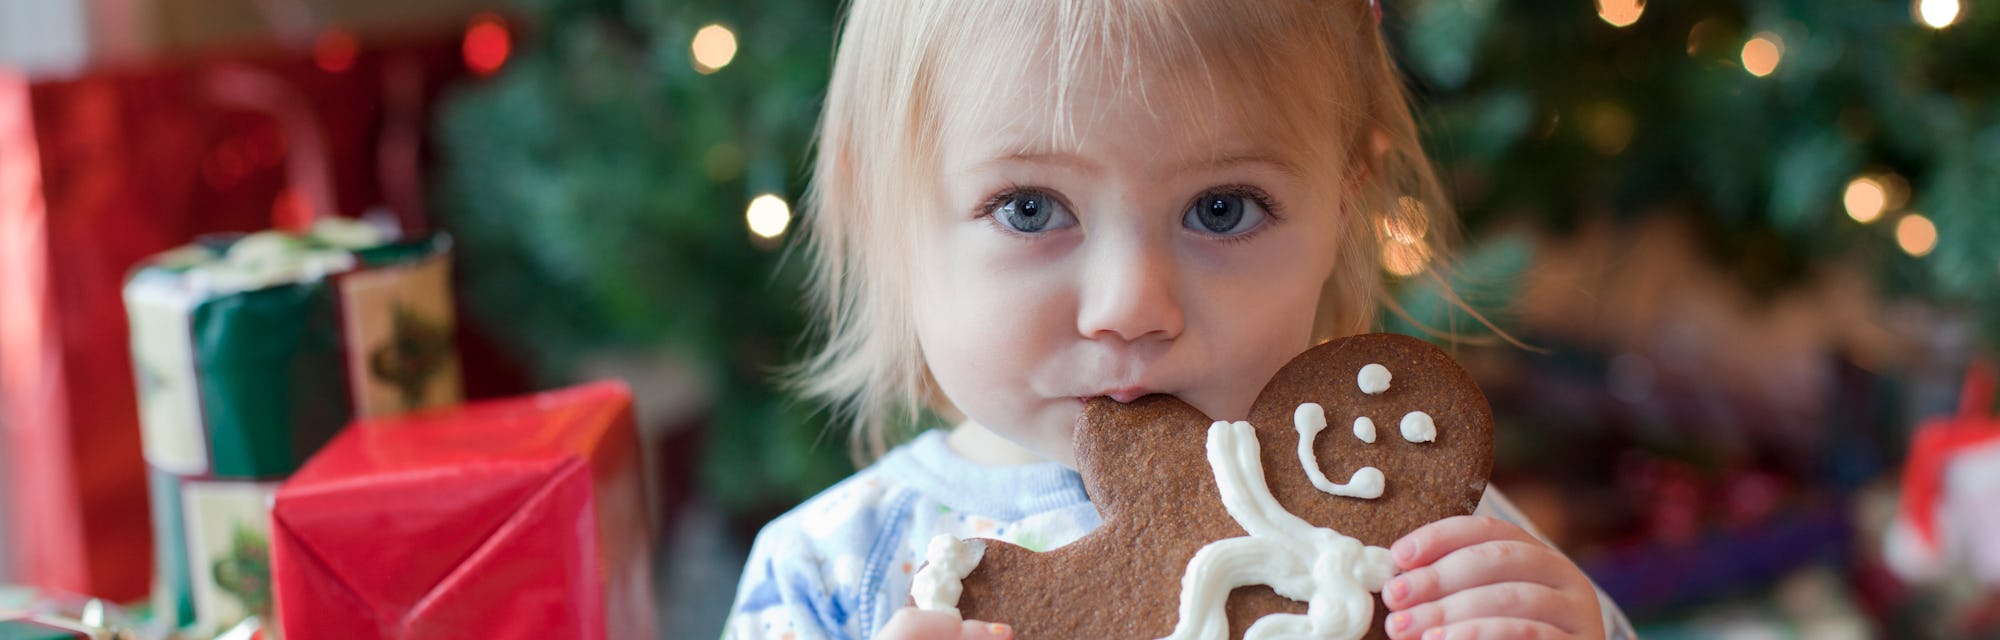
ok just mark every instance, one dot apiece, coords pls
pixel 1019 205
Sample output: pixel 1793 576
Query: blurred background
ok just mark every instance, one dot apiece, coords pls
pixel 1753 247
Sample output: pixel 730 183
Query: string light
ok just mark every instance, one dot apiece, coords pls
pixel 334 51
pixel 1607 127
pixel 768 216
pixel 1699 34
pixel 486 44
pixel 1916 235
pixel 1896 191
pixel 1405 260
pixel 714 46
pixel 1762 53
pixel 1404 251
pixel 1620 13
pixel 1937 14
pixel 1412 225
pixel 1865 199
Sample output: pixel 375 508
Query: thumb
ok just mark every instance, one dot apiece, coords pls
pixel 911 623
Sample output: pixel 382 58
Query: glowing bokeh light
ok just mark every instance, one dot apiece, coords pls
pixel 714 46
pixel 1762 53
pixel 768 216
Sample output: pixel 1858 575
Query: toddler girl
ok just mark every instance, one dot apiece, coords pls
pixel 1019 205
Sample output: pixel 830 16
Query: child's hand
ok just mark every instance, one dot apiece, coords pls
pixel 1482 577
pixel 911 623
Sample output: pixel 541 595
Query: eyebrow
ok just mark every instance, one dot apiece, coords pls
pixel 1070 160
pixel 1224 162
pixel 1088 168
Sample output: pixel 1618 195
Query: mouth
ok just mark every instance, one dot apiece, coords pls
pixel 1123 395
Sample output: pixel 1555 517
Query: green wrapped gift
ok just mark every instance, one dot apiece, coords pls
pixel 250 352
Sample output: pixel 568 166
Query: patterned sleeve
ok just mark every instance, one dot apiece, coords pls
pixel 1495 504
pixel 783 594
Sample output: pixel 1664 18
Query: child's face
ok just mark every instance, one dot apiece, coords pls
pixel 1144 258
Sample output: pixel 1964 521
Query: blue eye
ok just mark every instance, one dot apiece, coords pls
pixel 1030 212
pixel 1223 214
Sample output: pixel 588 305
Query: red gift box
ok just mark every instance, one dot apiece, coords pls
pixel 102 169
pixel 516 518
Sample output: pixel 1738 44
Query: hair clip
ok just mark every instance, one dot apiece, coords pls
pixel 1377 6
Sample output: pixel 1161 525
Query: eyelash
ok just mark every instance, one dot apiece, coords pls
pixel 1009 192
pixel 1273 212
pixel 1272 209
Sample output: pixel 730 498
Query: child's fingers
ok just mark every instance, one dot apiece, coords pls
pixel 1435 540
pixel 1521 600
pixel 1490 628
pixel 976 630
pixel 1476 566
pixel 910 623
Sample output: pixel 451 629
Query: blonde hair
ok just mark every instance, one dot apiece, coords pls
pixel 1323 63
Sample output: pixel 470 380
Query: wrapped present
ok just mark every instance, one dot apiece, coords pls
pixel 215 561
pixel 30 614
pixel 517 518
pixel 250 352
pixel 117 150
pixel 1945 520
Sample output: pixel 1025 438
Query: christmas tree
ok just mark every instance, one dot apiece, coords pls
pixel 602 183
pixel 1799 133
pixel 599 186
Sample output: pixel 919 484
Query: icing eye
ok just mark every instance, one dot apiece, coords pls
pixel 1418 427
pixel 1364 429
pixel 1374 379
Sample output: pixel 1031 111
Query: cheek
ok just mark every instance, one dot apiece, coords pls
pixel 977 319
pixel 963 298
pixel 1261 315
pixel 1271 294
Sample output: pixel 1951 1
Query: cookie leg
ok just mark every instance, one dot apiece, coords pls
pixel 1282 625
pixel 1336 611
pixel 1224 565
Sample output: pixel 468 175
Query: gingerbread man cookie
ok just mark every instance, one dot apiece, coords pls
pixel 1272 527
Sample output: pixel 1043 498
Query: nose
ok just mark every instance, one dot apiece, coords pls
pixel 1129 292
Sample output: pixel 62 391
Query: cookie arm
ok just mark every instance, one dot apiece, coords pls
pixel 1239 475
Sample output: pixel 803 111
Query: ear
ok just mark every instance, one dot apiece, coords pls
pixel 1367 160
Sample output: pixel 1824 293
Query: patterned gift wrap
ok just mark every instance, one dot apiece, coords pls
pixel 251 351
pixel 214 546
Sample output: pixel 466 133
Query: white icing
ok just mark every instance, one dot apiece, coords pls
pixel 1364 429
pixel 1332 573
pixel 1366 483
pixel 1417 427
pixel 1374 379
pixel 936 586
